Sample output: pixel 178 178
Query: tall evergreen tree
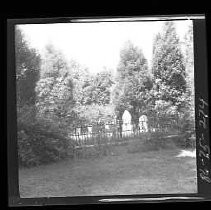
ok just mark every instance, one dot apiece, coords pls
pixel 168 67
pixel 132 82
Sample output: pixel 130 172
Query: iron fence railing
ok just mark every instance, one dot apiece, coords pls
pixel 115 132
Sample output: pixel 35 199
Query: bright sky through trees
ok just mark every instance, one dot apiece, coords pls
pixel 97 45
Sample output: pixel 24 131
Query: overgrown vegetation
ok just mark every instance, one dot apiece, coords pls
pixel 54 96
pixel 41 142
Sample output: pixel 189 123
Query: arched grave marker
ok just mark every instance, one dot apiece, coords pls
pixel 89 132
pixel 143 123
pixel 126 125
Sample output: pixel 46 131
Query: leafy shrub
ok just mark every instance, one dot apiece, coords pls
pixel 26 154
pixel 40 142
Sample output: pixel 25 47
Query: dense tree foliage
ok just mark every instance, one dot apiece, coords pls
pixel 27 70
pixel 97 90
pixel 95 114
pixel 55 95
pixel 132 82
pixel 189 58
pixel 168 66
pixel 39 140
pixel 55 87
pixel 170 95
pixel 189 64
pixel 27 74
pixel 93 95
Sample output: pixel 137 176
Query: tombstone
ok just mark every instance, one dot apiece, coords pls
pixel 143 123
pixel 89 133
pixel 126 124
pixel 106 126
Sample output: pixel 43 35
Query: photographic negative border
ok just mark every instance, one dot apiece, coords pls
pixel 201 113
pixel 201 108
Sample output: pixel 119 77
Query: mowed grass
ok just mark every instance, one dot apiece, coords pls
pixel 154 172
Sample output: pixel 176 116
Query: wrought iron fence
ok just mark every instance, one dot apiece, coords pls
pixel 117 132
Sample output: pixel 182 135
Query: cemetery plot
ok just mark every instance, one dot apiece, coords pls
pixel 105 108
pixel 122 131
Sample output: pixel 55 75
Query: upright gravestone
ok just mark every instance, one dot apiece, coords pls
pixel 106 126
pixel 89 131
pixel 126 124
pixel 143 123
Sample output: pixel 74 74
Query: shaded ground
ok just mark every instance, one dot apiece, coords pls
pixel 125 173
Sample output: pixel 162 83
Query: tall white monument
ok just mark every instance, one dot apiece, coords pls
pixel 126 125
pixel 89 131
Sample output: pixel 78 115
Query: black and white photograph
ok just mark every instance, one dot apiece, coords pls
pixel 105 108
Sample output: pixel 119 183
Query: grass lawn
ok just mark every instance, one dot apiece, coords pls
pixel 123 173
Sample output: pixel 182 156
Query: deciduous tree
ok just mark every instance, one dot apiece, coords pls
pixel 55 87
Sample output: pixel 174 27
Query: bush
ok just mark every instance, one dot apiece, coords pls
pixel 40 142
